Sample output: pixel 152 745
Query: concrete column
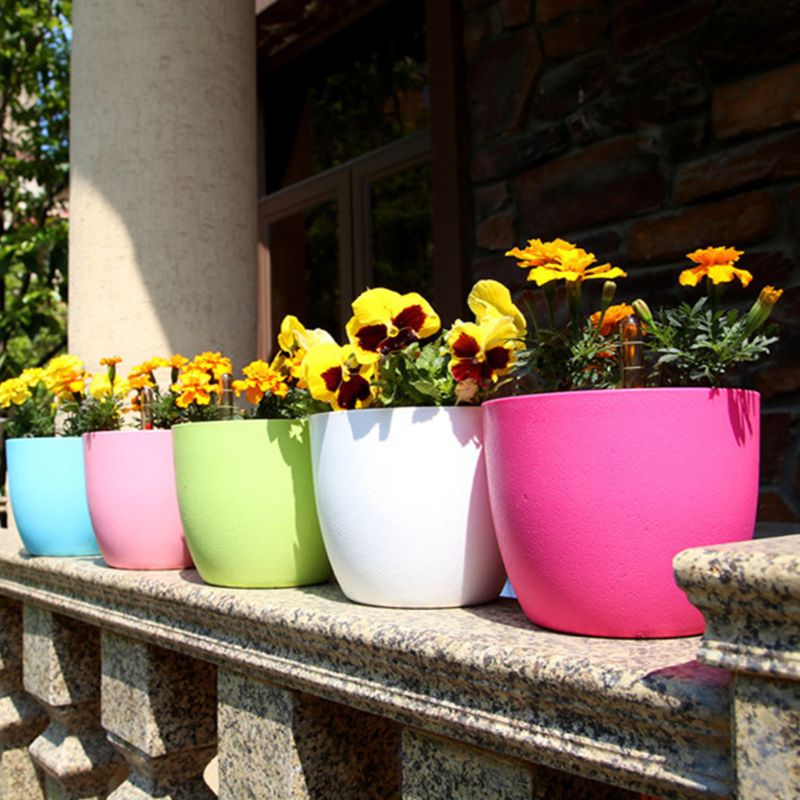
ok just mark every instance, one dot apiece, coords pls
pixel 160 711
pixel 163 179
pixel 279 744
pixel 749 594
pixel 61 669
pixel 21 718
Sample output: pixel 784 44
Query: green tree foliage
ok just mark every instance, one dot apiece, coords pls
pixel 34 165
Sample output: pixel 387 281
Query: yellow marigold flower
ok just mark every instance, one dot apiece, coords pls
pixel 214 363
pixel 260 378
pixel 716 263
pixel 560 260
pixel 482 352
pixel 194 386
pixel 384 321
pixel 334 375
pixel 490 298
pixel 32 376
pixel 177 361
pixel 111 361
pixel 65 376
pixel 613 316
pixel 14 390
pixel 100 386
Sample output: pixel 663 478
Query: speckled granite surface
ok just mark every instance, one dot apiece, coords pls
pixel 160 711
pixel 641 714
pixel 62 671
pixel 767 738
pixel 750 595
pixel 306 747
pixel 441 768
pixel 22 719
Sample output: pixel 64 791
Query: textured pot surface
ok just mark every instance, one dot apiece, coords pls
pixel 403 505
pixel 247 502
pixel 594 493
pixel 130 487
pixel 48 494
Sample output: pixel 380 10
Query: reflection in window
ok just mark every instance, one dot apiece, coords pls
pixel 305 268
pixel 401 231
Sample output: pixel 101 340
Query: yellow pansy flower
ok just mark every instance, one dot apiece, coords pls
pixel 490 298
pixel 335 376
pixel 482 352
pixel 384 321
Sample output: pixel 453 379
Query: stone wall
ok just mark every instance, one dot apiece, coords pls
pixel 643 129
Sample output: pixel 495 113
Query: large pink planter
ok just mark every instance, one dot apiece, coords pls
pixel 594 493
pixel 130 486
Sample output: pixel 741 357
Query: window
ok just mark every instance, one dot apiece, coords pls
pixel 349 162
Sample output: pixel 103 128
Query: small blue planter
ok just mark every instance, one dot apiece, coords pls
pixel 48 496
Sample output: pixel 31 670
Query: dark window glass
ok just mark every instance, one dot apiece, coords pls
pixel 360 89
pixel 402 237
pixel 304 251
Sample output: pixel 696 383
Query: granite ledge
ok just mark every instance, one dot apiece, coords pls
pixel 749 593
pixel 640 714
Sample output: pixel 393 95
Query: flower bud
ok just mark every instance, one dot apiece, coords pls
pixel 609 290
pixel 762 308
pixel 643 312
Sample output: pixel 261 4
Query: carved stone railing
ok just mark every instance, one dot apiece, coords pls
pixel 125 684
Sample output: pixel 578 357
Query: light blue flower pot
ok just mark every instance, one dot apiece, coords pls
pixel 48 496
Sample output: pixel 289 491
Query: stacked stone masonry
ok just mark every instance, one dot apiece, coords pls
pixel 643 130
pixel 126 685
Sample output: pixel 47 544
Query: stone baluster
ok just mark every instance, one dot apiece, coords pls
pixel 61 669
pixel 282 744
pixel 434 767
pixel 160 711
pixel 21 717
pixel 749 594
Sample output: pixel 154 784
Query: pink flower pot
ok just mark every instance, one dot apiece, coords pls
pixel 130 486
pixel 594 493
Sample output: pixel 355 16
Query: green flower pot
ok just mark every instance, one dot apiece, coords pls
pixel 246 498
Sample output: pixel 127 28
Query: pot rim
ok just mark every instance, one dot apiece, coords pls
pixel 383 411
pixel 625 393
pixel 206 423
pixel 9 439
pixel 127 432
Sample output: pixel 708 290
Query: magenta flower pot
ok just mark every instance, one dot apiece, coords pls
pixel 594 493
pixel 133 503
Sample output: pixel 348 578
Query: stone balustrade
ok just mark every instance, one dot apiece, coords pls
pixel 126 684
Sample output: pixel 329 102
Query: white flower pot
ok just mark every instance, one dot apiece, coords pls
pixel 403 506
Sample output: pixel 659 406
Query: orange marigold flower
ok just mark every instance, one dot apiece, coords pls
pixel 716 263
pixel 560 260
pixel 260 378
pixel 613 316
pixel 110 361
pixel 214 363
pixel 194 386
